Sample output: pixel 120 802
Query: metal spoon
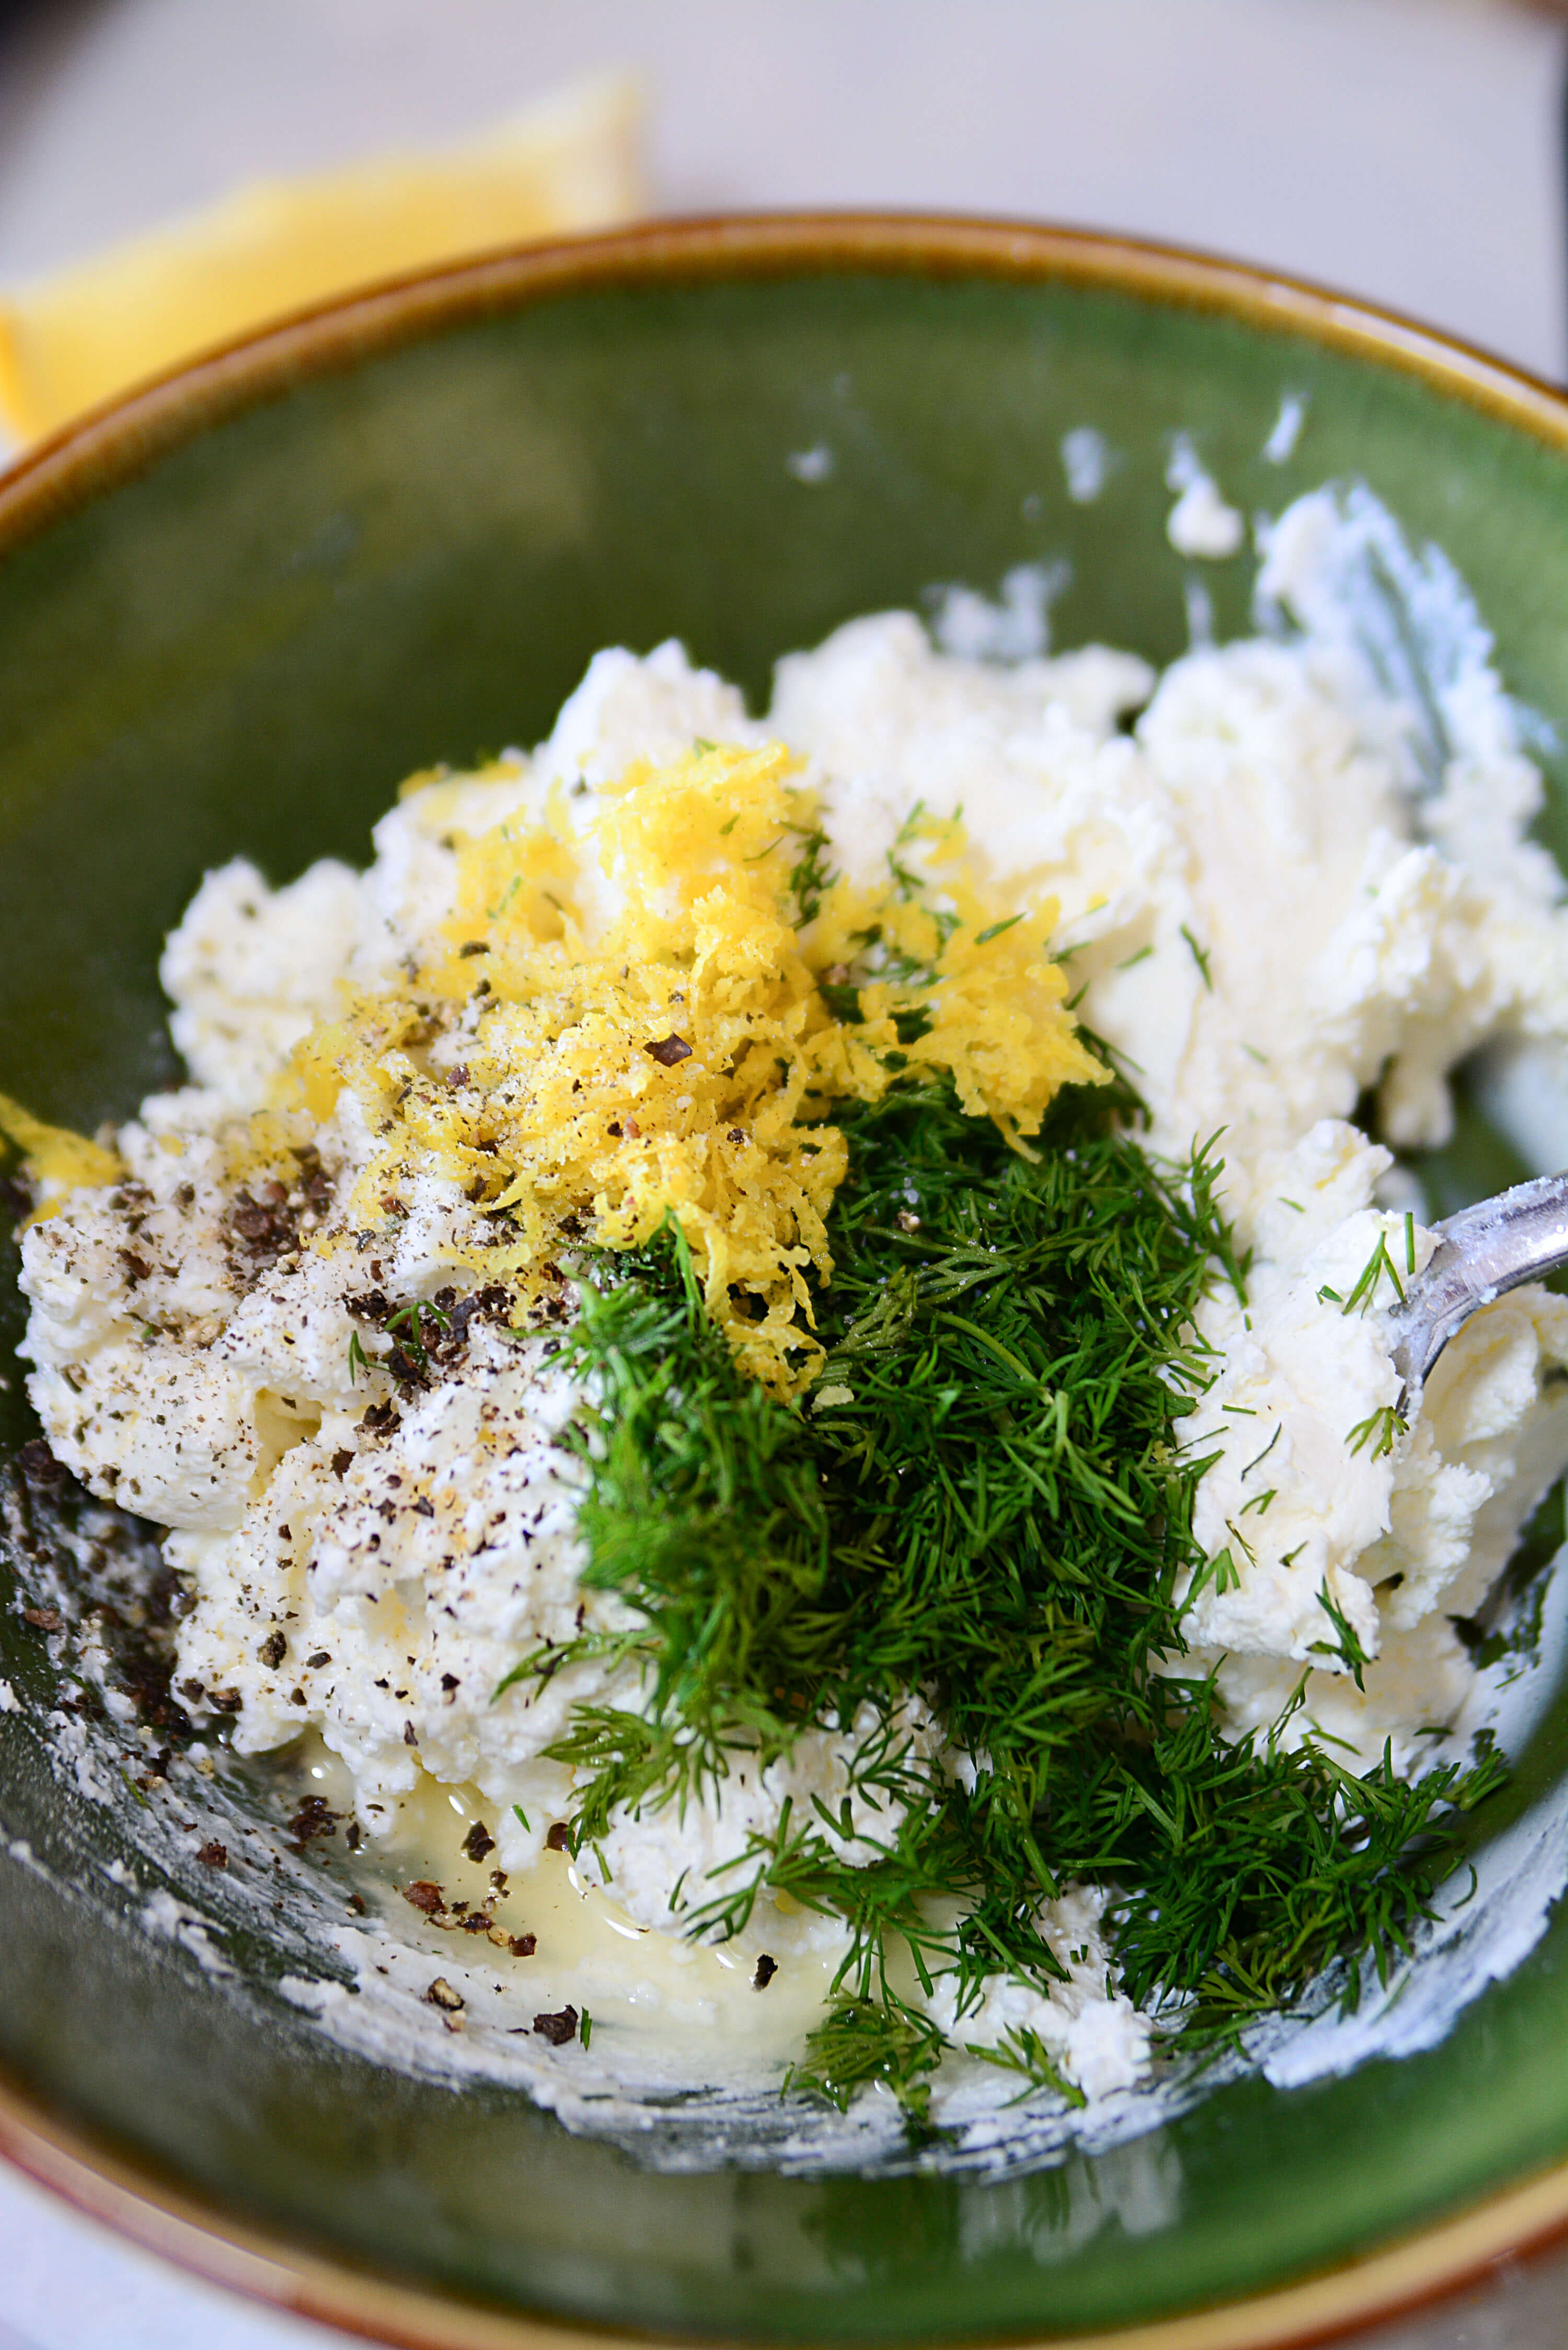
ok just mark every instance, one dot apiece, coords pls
pixel 1500 1243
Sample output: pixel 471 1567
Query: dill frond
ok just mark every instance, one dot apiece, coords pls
pixel 983 1504
pixel 1378 1432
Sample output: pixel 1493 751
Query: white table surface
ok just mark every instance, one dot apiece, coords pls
pixel 1405 150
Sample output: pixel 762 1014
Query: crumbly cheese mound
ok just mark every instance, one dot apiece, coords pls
pixel 386 1578
pixel 1337 1538
pixel 251 969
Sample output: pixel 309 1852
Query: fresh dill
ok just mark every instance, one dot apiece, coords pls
pixel 1021 2049
pixel 1347 1642
pixel 811 875
pixel 997 930
pixel 1201 957
pixel 1377 1264
pixel 1258 1461
pixel 987 1508
pixel 1222 1570
pixel 410 1320
pixel 1378 1432
pixel 493 913
pixel 863 2040
pixel 358 1358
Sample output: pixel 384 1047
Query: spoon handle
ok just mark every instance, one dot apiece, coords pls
pixel 1519 1236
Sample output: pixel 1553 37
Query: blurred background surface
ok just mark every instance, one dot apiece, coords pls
pixel 1408 150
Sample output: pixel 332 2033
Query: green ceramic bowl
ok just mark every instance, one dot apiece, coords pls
pixel 234 612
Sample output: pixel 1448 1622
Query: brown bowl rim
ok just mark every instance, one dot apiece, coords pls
pixel 112 443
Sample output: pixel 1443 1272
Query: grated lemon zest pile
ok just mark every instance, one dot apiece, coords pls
pixel 683 1059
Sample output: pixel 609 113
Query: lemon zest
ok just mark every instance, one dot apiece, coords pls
pixel 681 1058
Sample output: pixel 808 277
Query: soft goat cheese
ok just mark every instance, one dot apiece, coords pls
pixel 1279 890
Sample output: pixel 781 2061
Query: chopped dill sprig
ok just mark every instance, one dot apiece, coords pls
pixel 863 2040
pixel 1222 1570
pixel 998 930
pixel 987 1507
pixel 1347 1642
pixel 1378 1432
pixel 1201 957
pixel 1260 1458
pixel 1021 2050
pixel 412 1319
pixel 1290 1860
pixel 1377 1264
pixel 811 875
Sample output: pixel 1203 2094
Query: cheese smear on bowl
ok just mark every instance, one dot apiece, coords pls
pixel 312 1323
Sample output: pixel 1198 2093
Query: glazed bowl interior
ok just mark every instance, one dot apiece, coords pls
pixel 230 620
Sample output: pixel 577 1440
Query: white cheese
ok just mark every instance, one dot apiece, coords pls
pixel 1288 883
pixel 1200 523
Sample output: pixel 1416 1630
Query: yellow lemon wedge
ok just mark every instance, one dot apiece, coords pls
pixel 73 340
pixel 61 1161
